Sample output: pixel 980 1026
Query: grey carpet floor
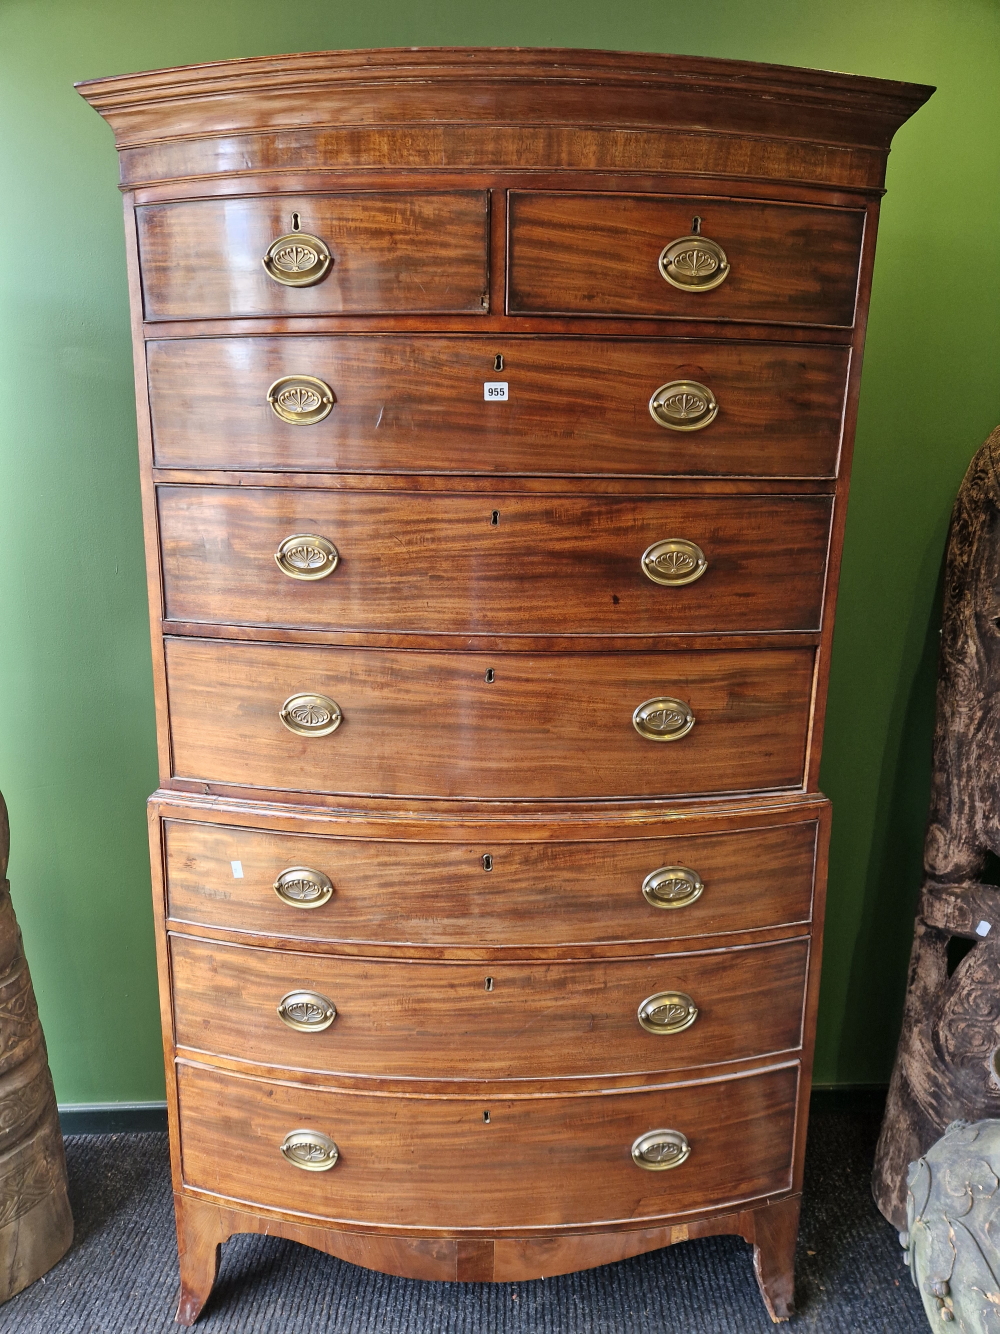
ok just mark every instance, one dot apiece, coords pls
pixel 120 1276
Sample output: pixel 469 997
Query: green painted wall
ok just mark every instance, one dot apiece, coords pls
pixel 76 711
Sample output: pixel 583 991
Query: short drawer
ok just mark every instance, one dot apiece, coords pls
pixel 502 565
pixel 574 406
pixel 410 1019
pixel 486 726
pixel 600 254
pixel 487 892
pixel 383 253
pixel 426 1163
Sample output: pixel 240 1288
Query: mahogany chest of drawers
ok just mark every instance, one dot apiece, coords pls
pixel 496 412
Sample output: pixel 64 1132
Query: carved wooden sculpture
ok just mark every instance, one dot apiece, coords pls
pixel 952 1024
pixel 36 1226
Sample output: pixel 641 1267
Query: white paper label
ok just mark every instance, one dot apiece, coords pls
pixel 495 391
pixel 983 929
pixel 237 870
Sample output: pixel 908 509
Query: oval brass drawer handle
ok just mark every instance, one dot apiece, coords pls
pixel 311 715
pixel 309 1149
pixel 667 1012
pixel 694 264
pixel 301 400
pixel 308 556
pixel 308 1011
pixel 683 405
pixel 660 1149
pixel 672 887
pixel 297 260
pixel 302 887
pixel 673 562
pixel 663 719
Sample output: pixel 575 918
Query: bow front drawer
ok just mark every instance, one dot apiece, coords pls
pixel 373 403
pixel 427 1162
pixel 375 721
pixel 504 565
pixel 407 1019
pixel 314 255
pixel 481 890
pixel 683 257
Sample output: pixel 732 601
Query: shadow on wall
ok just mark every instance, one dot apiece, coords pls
pixel 895 870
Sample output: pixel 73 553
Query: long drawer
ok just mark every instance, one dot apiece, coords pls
pixel 384 252
pixel 491 892
pixel 600 254
pixel 573 405
pixel 487 726
pixel 408 1019
pixel 436 1163
pixel 502 565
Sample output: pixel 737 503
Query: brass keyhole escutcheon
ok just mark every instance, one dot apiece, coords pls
pixel 309 1149
pixel 694 264
pixel 311 715
pixel 297 259
pixel 683 405
pixel 660 1149
pixel 307 556
pixel 674 562
pixel 301 400
pixel 667 1012
pixel 302 887
pixel 672 887
pixel 663 719
pixel 306 1011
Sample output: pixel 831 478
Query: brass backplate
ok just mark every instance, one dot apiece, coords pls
pixel 672 887
pixel 308 556
pixel 663 719
pixel 311 715
pixel 297 260
pixel 659 1150
pixel 300 400
pixel 694 264
pixel 674 562
pixel 309 1149
pixel 683 405
pixel 302 887
pixel 306 1011
pixel 667 1012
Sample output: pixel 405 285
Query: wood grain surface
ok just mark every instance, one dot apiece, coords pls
pixel 493 215
pixel 502 565
pixel 576 406
pixel 36 1225
pixel 597 254
pixel 545 108
pixel 403 251
pixel 436 1021
pixel 430 724
pixel 438 893
pixel 204 1225
pixel 435 1164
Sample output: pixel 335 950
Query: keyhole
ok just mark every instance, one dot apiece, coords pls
pixel 489 676
pixel 487 866
pixel 495 518
pixel 295 222
pixel 696 226
pixel 488 984
pixel 486 1118
pixel 498 362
